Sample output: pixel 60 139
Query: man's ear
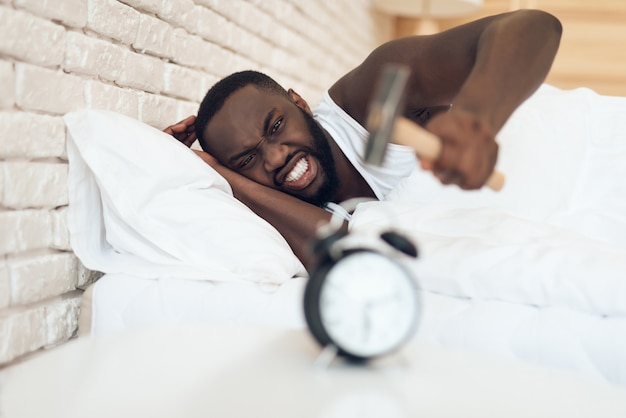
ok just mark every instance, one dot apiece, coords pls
pixel 299 101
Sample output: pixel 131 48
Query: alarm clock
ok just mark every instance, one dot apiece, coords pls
pixel 362 301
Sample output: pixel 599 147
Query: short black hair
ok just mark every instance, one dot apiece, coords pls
pixel 217 95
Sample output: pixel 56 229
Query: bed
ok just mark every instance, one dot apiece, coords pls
pixel 536 272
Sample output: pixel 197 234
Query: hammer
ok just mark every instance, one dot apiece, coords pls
pixel 384 124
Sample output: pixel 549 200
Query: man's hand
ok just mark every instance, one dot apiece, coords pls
pixel 184 131
pixel 469 151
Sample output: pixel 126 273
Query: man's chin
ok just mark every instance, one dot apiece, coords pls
pixel 320 197
pixel 314 200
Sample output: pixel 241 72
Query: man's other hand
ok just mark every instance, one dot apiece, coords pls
pixel 184 131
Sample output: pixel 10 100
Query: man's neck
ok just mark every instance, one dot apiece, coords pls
pixel 352 184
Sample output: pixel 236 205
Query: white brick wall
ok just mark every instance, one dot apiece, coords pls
pixel 149 59
pixel 31 38
pixel 44 90
pixel 7 84
pixel 72 13
pixel 93 57
pixel 29 135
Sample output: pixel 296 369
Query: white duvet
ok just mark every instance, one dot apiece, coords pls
pixel 536 272
pixel 543 262
pixel 556 234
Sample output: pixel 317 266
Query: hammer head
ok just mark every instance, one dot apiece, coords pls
pixel 387 101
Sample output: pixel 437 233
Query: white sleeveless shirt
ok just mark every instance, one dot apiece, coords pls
pixel 351 138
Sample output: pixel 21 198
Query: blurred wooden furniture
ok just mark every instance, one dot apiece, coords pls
pixel 593 46
pixel 426 14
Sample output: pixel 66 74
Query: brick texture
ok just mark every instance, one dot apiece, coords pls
pixel 5 290
pixel 51 91
pixel 72 13
pixel 92 56
pixel 31 38
pixel 113 19
pixel 152 60
pixel 35 278
pixel 22 331
pixel 34 184
pixel 153 37
pixel 28 135
pixel 7 84
pixel 22 230
pixel 100 95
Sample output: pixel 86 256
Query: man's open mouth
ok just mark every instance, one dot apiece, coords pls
pixel 301 174
pixel 301 167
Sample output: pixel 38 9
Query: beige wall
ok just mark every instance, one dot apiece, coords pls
pixel 152 60
pixel 593 46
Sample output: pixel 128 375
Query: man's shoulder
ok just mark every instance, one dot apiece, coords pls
pixel 348 94
pixel 337 92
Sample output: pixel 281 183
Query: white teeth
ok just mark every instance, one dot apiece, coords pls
pixel 297 172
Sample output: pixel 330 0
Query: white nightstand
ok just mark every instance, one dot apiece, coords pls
pixel 228 371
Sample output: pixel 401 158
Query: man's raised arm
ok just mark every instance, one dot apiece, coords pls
pixel 482 71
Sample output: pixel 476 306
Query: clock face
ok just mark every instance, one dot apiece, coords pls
pixel 368 304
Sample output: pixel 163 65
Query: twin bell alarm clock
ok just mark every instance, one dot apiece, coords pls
pixel 361 299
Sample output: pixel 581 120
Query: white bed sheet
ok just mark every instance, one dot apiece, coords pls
pixel 120 301
pixel 563 338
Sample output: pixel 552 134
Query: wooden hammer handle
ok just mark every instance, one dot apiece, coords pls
pixel 428 145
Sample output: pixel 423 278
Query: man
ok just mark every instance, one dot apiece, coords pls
pixel 284 164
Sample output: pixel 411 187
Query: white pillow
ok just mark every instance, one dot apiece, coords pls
pixel 142 203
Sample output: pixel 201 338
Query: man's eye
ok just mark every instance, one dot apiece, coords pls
pixel 247 160
pixel 277 125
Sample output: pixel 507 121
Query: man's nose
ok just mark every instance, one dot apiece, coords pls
pixel 275 156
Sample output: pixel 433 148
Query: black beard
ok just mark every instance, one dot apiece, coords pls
pixel 324 155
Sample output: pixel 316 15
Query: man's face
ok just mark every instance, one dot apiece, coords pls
pixel 271 140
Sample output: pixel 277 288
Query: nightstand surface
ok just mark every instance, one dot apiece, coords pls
pixel 235 371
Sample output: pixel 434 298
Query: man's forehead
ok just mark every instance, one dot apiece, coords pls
pixel 249 105
pixel 243 105
pixel 240 119
pixel 253 96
